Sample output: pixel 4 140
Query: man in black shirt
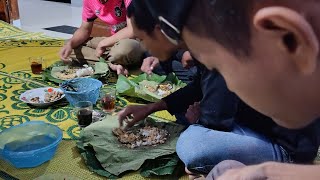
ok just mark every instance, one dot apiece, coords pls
pixel 295 145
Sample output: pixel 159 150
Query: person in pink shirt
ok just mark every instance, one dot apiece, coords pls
pixel 81 46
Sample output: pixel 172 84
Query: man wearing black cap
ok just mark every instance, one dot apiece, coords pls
pixel 268 53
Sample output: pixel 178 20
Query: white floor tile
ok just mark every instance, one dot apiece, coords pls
pixel 38 14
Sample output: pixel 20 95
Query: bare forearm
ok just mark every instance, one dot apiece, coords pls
pixel 158 106
pixel 79 37
pixel 291 172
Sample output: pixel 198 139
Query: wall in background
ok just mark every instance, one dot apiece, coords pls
pixel 77 3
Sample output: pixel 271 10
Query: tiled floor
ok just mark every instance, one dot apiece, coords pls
pixel 38 14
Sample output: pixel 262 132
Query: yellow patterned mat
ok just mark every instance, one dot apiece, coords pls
pixel 16 77
pixel 11 36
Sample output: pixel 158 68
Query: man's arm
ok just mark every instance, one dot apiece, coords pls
pixel 180 100
pixel 139 112
pixel 274 170
pixel 79 37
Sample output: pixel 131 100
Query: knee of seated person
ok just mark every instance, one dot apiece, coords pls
pixel 189 137
pixel 187 149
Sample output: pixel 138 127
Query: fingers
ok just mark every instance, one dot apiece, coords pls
pixel 64 54
pixel 127 116
pixel 130 123
pixel 149 64
pixel 113 67
pixel 99 52
pixel 190 112
pixel 188 115
pixel 125 72
pixel 187 64
pixel 65 58
pixel 154 63
pixel 123 114
pixel 145 67
pixel 122 70
pixel 119 69
pixel 187 60
pixel 193 113
pixel 186 56
pixel 131 115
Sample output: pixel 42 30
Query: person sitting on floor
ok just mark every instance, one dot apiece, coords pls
pixel 268 53
pixel 82 47
pixel 220 127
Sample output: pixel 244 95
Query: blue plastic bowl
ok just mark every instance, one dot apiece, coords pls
pixel 87 89
pixel 29 144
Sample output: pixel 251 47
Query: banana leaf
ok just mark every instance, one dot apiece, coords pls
pixel 136 87
pixel 165 166
pixel 101 69
pixel 168 166
pixel 92 162
pixel 117 159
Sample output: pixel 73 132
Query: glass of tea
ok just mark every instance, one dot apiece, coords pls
pixel 83 111
pixel 108 99
pixel 36 64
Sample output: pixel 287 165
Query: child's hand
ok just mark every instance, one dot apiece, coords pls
pixel 101 48
pixel 149 64
pixel 119 69
pixel 187 61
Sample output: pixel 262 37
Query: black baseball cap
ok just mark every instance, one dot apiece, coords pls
pixel 172 15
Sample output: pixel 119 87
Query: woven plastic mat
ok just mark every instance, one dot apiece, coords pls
pixel 66 161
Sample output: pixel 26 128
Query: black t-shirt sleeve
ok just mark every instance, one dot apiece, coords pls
pixel 180 100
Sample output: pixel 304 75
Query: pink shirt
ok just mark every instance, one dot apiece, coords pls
pixel 112 12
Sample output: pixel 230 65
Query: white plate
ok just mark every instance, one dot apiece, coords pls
pixel 39 92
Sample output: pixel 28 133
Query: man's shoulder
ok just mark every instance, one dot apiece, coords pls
pixel 89 3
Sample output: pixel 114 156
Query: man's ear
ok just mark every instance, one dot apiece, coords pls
pixel 297 38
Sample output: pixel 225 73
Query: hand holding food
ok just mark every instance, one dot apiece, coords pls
pixel 119 69
pixel 137 112
pixel 149 64
pixel 65 53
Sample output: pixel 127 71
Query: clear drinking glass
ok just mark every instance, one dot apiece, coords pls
pixel 36 64
pixel 83 111
pixel 108 99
